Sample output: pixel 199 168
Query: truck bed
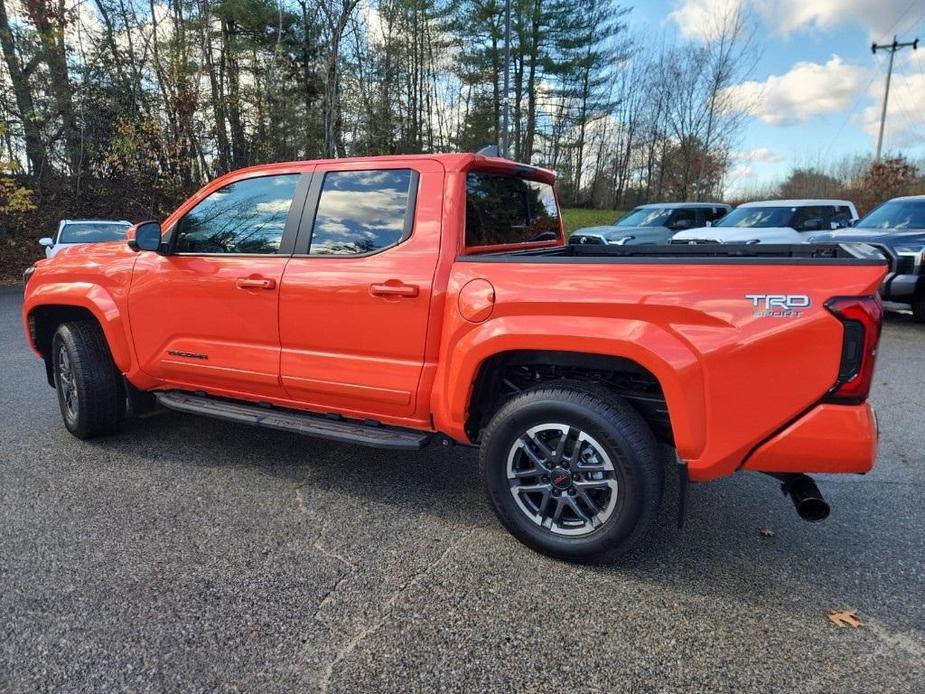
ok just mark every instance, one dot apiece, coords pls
pixel 760 254
pixel 702 319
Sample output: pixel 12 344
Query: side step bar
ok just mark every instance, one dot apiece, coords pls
pixel 344 430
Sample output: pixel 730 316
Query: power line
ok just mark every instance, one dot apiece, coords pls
pixel 901 18
pixel 892 48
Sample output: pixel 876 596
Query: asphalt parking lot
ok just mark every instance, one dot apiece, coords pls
pixel 190 554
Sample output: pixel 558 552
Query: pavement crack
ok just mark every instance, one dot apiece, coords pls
pixel 361 634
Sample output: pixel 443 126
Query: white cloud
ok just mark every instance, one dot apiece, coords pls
pixel 702 19
pixel 878 17
pixel 905 116
pixel 759 154
pixel 807 90
pixel 881 18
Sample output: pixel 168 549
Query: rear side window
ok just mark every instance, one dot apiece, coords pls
pixel 246 216
pixel 506 210
pixel 362 212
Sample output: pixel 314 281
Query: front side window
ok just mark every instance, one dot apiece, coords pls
pixel 813 218
pixel 246 216
pixel 685 218
pixel 503 210
pixel 92 232
pixel 362 212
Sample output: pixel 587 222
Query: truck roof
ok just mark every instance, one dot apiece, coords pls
pixel 796 203
pixel 454 162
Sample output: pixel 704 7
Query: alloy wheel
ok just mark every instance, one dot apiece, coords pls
pixel 67 381
pixel 562 479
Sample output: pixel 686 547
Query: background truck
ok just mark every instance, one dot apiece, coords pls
pixel 897 226
pixel 78 231
pixel 396 301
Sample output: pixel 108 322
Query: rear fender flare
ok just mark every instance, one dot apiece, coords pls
pixel 665 355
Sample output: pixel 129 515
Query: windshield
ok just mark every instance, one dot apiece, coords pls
pixel 92 232
pixel 646 217
pixel 758 217
pixel 897 214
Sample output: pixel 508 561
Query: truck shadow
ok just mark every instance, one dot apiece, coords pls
pixel 741 537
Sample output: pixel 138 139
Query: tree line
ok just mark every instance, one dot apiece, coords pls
pixel 141 102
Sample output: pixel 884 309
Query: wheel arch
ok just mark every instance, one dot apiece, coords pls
pixel 472 364
pixel 45 312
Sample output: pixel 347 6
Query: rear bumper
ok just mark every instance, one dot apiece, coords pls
pixel 829 438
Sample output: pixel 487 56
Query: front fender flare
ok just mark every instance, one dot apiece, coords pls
pixel 94 298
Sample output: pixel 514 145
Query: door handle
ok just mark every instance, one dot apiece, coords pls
pixel 255 283
pixel 394 288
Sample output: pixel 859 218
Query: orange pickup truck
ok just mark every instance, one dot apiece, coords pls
pixel 396 301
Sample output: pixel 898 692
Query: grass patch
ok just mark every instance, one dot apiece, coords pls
pixel 580 217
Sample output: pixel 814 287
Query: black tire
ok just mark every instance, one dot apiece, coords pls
pixel 83 366
pixel 613 426
pixel 918 309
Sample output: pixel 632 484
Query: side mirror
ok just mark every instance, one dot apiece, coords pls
pixel 147 237
pixel 47 242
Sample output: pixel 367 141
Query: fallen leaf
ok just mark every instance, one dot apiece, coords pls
pixel 767 532
pixel 845 618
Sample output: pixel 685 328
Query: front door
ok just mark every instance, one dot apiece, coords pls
pixel 204 315
pixel 355 298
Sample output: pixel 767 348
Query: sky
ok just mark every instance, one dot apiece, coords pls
pixel 817 89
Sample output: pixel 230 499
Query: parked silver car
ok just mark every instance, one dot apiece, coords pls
pixel 653 224
pixel 72 232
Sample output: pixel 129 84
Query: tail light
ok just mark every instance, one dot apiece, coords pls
pixel 861 317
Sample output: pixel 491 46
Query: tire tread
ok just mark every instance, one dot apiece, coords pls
pixel 625 422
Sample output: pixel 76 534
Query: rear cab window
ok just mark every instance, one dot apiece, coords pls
pixel 507 212
pixel 363 212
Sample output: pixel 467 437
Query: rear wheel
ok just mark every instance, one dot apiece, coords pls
pixel 88 385
pixel 572 473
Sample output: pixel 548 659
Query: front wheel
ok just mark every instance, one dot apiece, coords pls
pixel 572 472
pixel 89 393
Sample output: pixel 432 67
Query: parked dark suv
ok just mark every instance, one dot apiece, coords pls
pixel 897 225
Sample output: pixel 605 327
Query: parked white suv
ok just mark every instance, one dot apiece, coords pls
pixel 774 221
pixel 77 231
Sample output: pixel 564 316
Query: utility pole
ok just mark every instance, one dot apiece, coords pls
pixel 892 48
pixel 506 100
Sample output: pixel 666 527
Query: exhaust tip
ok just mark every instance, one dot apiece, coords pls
pixel 813 510
pixel 806 497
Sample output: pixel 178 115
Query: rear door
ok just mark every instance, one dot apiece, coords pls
pixel 205 314
pixel 355 298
